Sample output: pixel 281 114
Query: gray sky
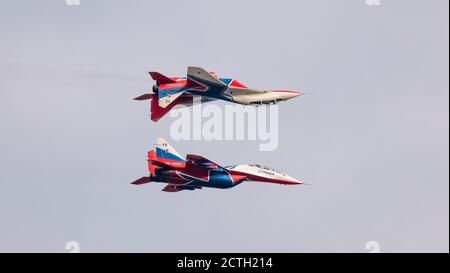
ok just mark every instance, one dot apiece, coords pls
pixel 372 140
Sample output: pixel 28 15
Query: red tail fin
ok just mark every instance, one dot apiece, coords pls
pixel 160 78
pixel 158 112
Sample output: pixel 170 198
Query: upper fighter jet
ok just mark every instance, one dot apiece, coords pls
pixel 167 166
pixel 172 91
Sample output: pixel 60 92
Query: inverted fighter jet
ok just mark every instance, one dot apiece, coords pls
pixel 165 165
pixel 171 91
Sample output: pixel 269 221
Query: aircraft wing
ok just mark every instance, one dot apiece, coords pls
pixel 200 161
pixel 200 75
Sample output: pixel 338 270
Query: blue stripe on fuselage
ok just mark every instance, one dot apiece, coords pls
pixel 169 91
pixel 212 185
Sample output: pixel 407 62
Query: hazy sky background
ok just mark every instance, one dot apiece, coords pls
pixel 372 140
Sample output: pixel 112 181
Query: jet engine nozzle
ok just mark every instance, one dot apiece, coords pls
pixel 155 89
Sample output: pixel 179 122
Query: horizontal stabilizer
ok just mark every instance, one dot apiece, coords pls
pixel 142 180
pixel 144 97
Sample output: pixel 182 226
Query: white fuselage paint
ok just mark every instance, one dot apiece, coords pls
pixel 257 96
pixel 264 172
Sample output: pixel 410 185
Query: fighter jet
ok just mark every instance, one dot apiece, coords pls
pixel 165 165
pixel 171 91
